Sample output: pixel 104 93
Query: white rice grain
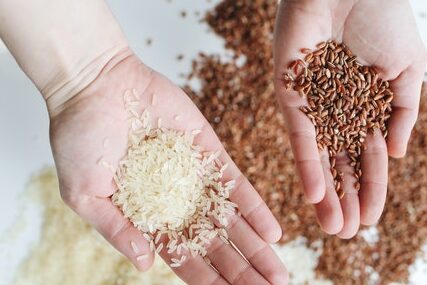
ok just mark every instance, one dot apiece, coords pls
pixel 142 257
pixel 154 99
pixel 159 248
pixel 134 246
pixel 156 241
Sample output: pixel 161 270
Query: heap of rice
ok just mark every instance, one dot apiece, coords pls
pixel 71 252
pixel 167 186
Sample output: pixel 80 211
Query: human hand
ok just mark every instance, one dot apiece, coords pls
pixel 93 125
pixel 383 34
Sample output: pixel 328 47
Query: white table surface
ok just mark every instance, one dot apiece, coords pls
pixel 24 144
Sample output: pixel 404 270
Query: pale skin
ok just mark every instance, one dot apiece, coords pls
pixel 383 34
pixel 94 125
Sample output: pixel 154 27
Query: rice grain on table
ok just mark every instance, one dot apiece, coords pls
pixel 70 251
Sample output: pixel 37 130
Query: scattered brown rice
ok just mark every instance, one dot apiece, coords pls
pixel 239 101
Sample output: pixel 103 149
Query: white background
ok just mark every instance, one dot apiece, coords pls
pixel 24 143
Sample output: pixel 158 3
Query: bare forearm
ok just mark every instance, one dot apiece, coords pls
pixel 61 45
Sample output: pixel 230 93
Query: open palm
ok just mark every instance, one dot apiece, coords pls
pixel 383 34
pixel 93 125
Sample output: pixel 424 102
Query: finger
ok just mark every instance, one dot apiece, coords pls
pixel 329 213
pixel 192 269
pixel 405 104
pixel 259 254
pixel 107 219
pixel 300 24
pixel 372 195
pixel 303 142
pixel 250 204
pixel 231 265
pixel 350 200
pixel 255 211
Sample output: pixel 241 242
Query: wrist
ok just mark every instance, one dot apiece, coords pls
pixel 61 45
pixel 74 78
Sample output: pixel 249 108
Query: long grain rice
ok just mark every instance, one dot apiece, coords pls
pixel 167 185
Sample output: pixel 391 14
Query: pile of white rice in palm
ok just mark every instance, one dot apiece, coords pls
pixel 169 187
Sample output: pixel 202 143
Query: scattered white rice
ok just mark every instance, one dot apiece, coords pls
pixel 106 143
pixel 418 270
pixel 134 247
pixel 71 252
pixel 154 99
pixel 373 276
pixel 370 235
pixel 142 257
pixel 301 262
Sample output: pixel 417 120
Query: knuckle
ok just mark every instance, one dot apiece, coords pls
pixel 302 134
pixel 241 275
pixel 122 228
pixel 74 200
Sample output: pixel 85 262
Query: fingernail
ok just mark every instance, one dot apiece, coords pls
pixel 142 257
